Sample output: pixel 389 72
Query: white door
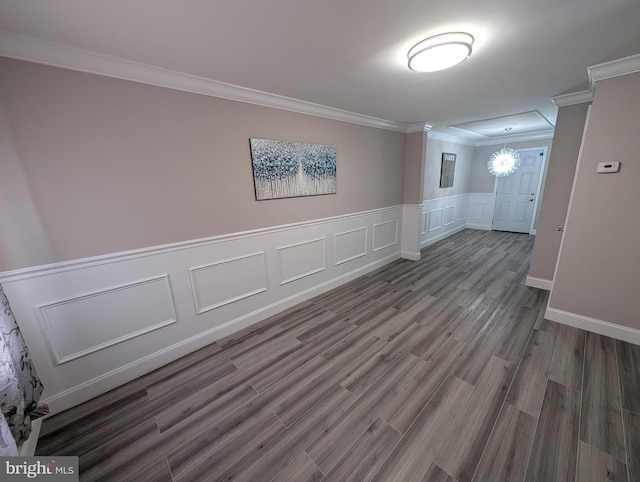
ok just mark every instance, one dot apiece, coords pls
pixel 517 193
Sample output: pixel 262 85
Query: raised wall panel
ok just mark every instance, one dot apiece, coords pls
pixel 449 215
pixel 385 235
pixel 478 211
pixel 435 219
pixel 81 325
pixel 425 223
pixel 218 284
pixel 349 245
pixel 302 259
pixel 462 211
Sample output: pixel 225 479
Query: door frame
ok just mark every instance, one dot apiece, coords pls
pixel 543 175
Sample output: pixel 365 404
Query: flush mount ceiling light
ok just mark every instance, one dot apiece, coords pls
pixel 503 162
pixel 440 51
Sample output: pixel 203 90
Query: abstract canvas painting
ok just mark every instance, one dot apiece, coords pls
pixel 284 169
pixel 448 169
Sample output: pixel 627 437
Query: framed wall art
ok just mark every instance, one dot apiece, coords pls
pixel 448 169
pixel 283 169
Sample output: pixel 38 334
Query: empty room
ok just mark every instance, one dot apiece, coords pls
pixel 320 241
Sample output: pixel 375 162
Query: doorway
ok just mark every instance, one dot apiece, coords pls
pixel 517 194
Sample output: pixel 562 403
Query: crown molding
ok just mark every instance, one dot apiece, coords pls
pixel 614 68
pixel 418 127
pixel 57 55
pixel 573 98
pixel 603 71
pixel 441 136
pixel 534 136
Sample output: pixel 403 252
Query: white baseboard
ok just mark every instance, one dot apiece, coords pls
pixel 410 256
pixel 435 239
pixel 28 448
pixel 543 284
pixel 481 227
pixel 601 327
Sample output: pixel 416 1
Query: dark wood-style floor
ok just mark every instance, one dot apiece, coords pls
pixel 438 370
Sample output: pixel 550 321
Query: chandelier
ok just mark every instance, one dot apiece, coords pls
pixel 504 162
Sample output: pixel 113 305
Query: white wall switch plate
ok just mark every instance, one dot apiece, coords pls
pixel 610 166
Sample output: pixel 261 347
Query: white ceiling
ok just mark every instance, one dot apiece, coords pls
pixel 351 54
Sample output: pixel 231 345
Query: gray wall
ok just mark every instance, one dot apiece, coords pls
pixel 94 165
pixel 414 167
pixel 433 162
pixel 599 262
pixel 555 201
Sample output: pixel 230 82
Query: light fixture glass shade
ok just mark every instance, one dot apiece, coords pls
pixel 440 52
pixel 504 162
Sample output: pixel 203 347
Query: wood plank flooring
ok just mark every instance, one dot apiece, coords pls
pixel 438 370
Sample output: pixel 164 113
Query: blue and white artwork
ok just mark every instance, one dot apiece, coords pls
pixel 290 169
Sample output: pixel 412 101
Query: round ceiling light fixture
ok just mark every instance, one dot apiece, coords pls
pixel 504 162
pixel 440 51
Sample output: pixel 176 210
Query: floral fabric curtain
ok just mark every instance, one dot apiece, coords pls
pixel 20 387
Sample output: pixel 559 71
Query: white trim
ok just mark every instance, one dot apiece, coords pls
pixel 479 227
pixel 355 256
pixel 439 237
pixel 485 141
pixel 614 68
pixel 58 55
pixel 28 448
pixel 412 220
pixel 543 284
pixel 56 268
pixel 619 332
pixel 52 339
pixel 418 127
pixel 605 70
pixel 194 285
pixel 441 136
pixel 534 136
pixel 410 256
pixel 434 224
pixel 114 378
pixel 441 225
pixel 573 98
pixel 306 273
pixel 373 237
pixel 487 200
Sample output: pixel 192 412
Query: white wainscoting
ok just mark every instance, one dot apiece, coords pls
pixel 94 324
pixel 350 245
pixel 443 217
pixel 301 260
pixel 385 235
pixel 412 230
pixel 480 214
pixel 217 284
pixel 142 306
